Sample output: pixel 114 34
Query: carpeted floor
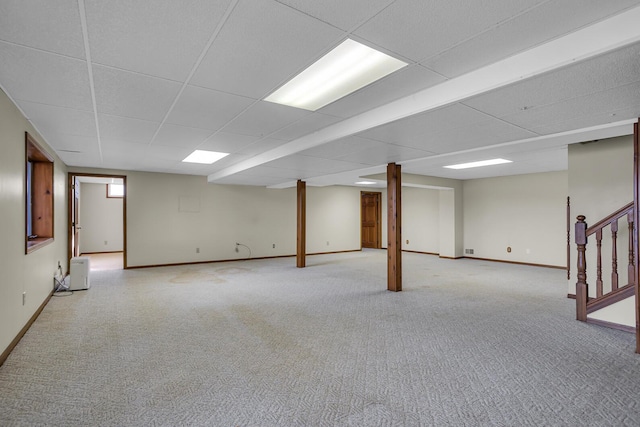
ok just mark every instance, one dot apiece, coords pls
pixel 105 261
pixel 262 343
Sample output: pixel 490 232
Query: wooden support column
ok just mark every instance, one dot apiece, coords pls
pixel 301 246
pixel 582 288
pixel 394 230
pixel 568 238
pixel 636 208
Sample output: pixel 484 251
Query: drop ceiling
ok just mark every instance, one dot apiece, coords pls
pixel 140 85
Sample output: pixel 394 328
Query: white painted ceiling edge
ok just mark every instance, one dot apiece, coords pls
pixel 607 35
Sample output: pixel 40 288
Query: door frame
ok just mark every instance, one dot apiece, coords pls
pixel 379 213
pixel 71 176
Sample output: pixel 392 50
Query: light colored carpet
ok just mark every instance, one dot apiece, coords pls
pixel 105 261
pixel 262 343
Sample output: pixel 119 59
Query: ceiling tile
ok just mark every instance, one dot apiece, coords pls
pixel 161 39
pixel 73 122
pixel 339 13
pixel 580 112
pixel 206 108
pixel 537 25
pixel 382 154
pixel 261 145
pixel 241 179
pixel 603 72
pixel 476 135
pixel 133 95
pixel 402 83
pixel 180 136
pixel 306 125
pixel 89 157
pixel 340 147
pixel 273 172
pixel 417 29
pixel 225 162
pixel 126 129
pixel 313 165
pixel 63 142
pixel 264 118
pixel 58 25
pixel 227 142
pixel 36 76
pixel 262 45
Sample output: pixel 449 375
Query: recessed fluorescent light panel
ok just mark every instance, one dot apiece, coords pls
pixel 365 182
pixel 204 157
pixel 478 164
pixel 347 68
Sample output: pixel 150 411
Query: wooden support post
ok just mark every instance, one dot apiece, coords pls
pixel 636 208
pixel 582 289
pixel 394 230
pixel 301 246
pixel 568 238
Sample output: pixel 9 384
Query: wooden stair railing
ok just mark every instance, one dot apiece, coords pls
pixel 585 304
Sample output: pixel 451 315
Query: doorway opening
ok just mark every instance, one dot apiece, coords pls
pixel 97 223
pixel 370 215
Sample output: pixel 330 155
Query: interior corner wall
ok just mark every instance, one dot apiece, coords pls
pixel 101 220
pixel 526 213
pixel 601 182
pixel 31 274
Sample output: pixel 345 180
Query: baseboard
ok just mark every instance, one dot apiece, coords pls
pixel 98 253
pixel 571 296
pixel 16 340
pixel 233 259
pixel 420 252
pixel 518 263
pixel 454 257
pixel 612 325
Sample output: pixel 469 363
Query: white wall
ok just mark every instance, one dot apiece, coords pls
pixel 32 273
pixel 101 220
pixel 600 182
pixel 524 212
pixel 421 220
pixel 333 219
pixel 169 217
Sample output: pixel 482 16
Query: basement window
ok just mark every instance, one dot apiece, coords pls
pixel 115 191
pixel 39 196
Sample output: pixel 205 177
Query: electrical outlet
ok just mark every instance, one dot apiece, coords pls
pixel 105 243
pixel 274 246
pixel 407 241
pixel 24 298
pixel 327 243
pixel 197 250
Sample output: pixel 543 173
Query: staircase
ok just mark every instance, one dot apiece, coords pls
pixel 608 291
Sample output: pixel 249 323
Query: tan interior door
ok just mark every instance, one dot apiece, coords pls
pixel 370 213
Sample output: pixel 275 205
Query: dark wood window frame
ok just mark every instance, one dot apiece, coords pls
pixel 39 223
pixel 116 196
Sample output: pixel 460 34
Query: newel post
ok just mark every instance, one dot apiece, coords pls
pixel 582 288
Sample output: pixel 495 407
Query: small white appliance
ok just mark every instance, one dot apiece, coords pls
pixel 79 273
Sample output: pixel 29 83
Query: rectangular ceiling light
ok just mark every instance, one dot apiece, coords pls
pixel 347 68
pixel 478 164
pixel 204 157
